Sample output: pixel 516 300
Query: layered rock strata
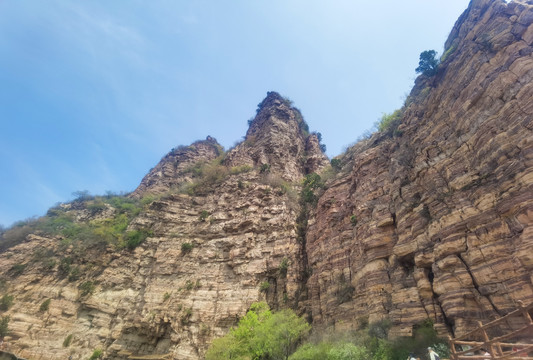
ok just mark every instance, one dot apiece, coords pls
pixel 223 235
pixel 436 220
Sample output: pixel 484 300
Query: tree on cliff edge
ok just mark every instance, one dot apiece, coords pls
pixel 428 63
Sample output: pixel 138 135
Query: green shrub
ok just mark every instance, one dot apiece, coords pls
pixel 347 351
pixel 186 248
pixel 283 267
pixel 6 301
pixel 136 237
pixel 204 214
pixel 336 164
pixel 87 288
pixel 189 285
pixel 240 169
pixel 96 354
pixel 186 317
pixel 4 325
pixel 311 182
pixel 264 169
pixel 448 52
pixel 261 334
pixel 265 285
pixel 64 266
pixel 74 274
pixel 96 207
pixel 353 220
pixel 166 296
pixel 390 122
pixel 311 352
pixel 67 341
pixel 17 269
pixel 45 305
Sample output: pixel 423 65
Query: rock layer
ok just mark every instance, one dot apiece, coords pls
pixel 444 208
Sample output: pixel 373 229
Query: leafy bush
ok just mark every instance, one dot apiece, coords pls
pixel 5 302
pixel 336 164
pixel 136 237
pixel 45 305
pixel 389 122
pixel 347 351
pixel 261 334
pixel 353 220
pixel 264 169
pixel 311 182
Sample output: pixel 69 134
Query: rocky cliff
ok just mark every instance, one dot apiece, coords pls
pixel 429 218
pixel 442 207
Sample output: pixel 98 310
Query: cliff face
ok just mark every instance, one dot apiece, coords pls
pixel 433 219
pixel 222 236
pixel 444 209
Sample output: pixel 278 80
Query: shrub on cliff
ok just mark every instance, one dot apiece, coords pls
pixel 4 323
pixel 261 334
pixel 5 302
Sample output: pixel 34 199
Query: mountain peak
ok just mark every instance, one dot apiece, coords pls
pixel 278 137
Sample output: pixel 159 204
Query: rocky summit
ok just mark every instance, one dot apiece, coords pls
pixel 430 217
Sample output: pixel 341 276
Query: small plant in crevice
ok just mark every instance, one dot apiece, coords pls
pixel 264 169
pixel 283 267
pixel 204 214
pixel 67 341
pixel 186 317
pixel 136 237
pixel 45 305
pixel 87 288
pixel 166 296
pixel 96 354
pixel 265 285
pixel 353 220
pixel 186 248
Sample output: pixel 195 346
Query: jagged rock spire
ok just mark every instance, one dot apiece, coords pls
pixel 279 137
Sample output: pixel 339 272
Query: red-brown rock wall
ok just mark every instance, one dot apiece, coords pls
pixel 444 207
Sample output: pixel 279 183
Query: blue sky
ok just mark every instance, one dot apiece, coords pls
pixel 94 93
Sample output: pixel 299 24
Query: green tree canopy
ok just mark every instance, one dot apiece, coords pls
pixel 428 63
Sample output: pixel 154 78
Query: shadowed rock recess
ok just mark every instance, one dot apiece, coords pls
pixel 430 218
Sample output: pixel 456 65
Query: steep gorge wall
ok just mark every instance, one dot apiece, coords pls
pixel 223 235
pixel 444 207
